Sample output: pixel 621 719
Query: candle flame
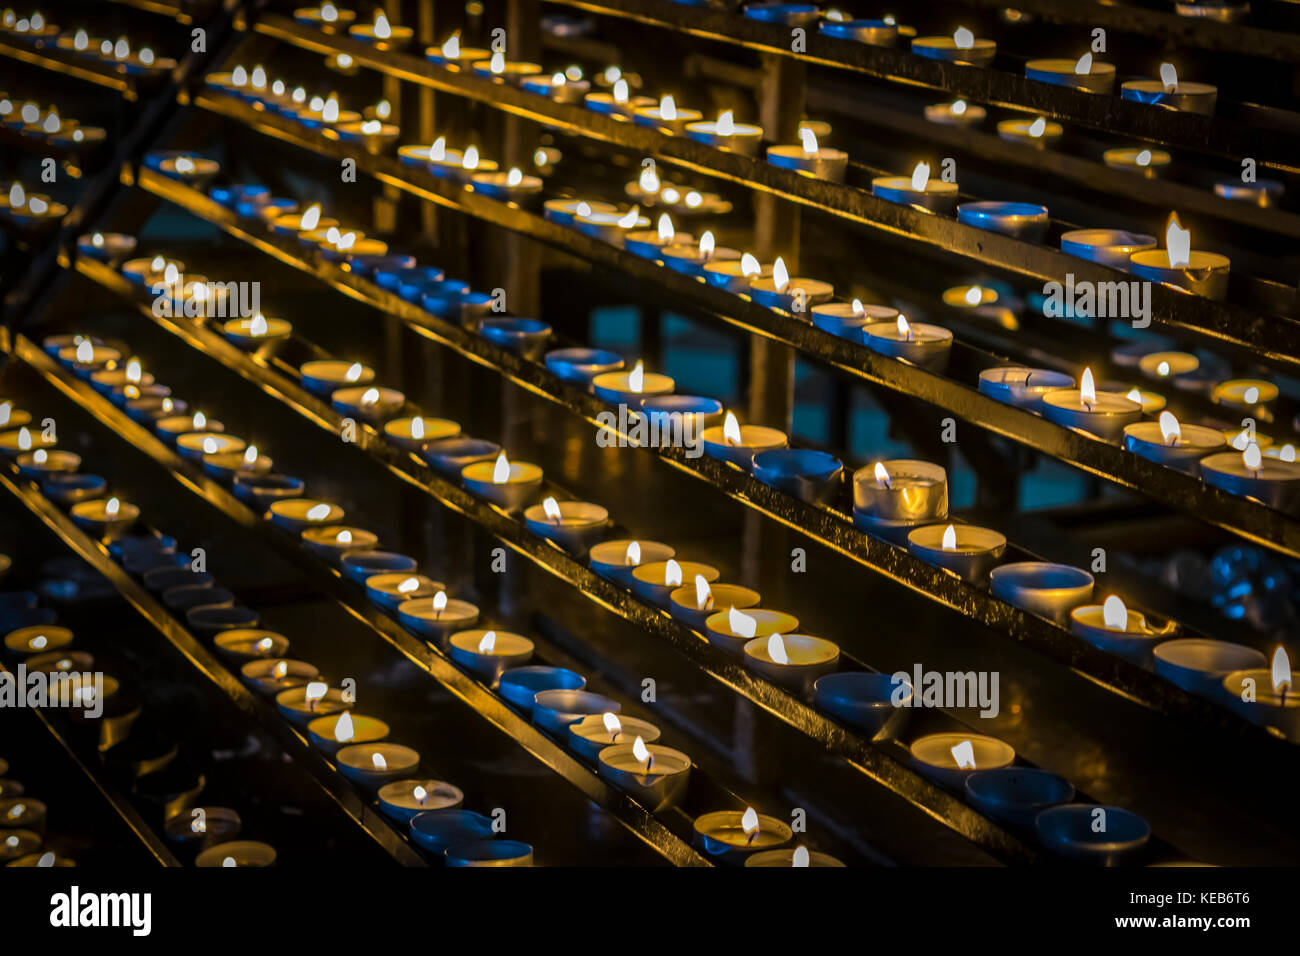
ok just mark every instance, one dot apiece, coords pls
pixel 800 857
pixel 749 266
pixel 280 670
pixel 329 13
pixel 40 456
pixel 633 555
pixel 1281 671
pixel 636 378
pixel 726 125
pixel 354 371
pixel 749 821
pixel 315 691
pixel 1251 457
pixel 420 794
pixel 1178 241
pixel 1170 430
pixel 904 330
pixel 489 643
pixel 950 538
pixel 1143 158
pixel 451 46
pixel 1084 66
pixel 613 725
pixel 552 509
pixel 582 209
pixel 24 439
pixel 377 761
pixel 330 111
pixel 343 729
pixel 501 470
pixel 883 480
pixel 470 160
pixel 210 446
pixel 1114 614
pixel 920 177
pixel 497 64
pixel 318 512
pixel 515 176
pixel 1251 395
pixel 672 574
pixel 1038 127
pixel 666 230
pixel 667 108
pixel 370 396
pixel 731 430
pixel 741 624
pixel 1286 452
pixel 1087 390
pixel 408 585
pixel 857 307
pixel 649 180
pixel 310 219
pixel 382 30
pixel 629 220
pixel 963 39
pixel 438 151
pixel 85 351
pixel 973 295
pixel 440 602
pixel 370 127
pixel 343 537
pixel 776 648
pixel 809 140
pixel 620 91
pixel 1169 77
pixel 780 277
pixel 703 593
pixel 959 108
pixel 707 244
pixel 112 508
pixel 199 421
pixel 642 753
pixel 964 755
pixel 134 371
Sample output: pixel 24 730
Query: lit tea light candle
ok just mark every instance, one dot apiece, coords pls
pixel 196 445
pixel 325 377
pixel 882 32
pixel 566 211
pixel 87 358
pixel 401 800
pixel 848 319
pixel 923 345
pixel 271 676
pixel 730 836
pixel 368 402
pixel 1048 590
pixel 574 525
pixel 236 854
pixel 173 426
pixel 257 334
pixel 110 247
pixel 43 462
pixel 1163 365
pixel 650 243
pixel 453 55
pixel 734 275
pixel 1020 220
pixel 1040 133
pixel 738 445
pixel 1152 402
pixel 557 87
pixel 1110 247
pixel 297 224
pixel 323 113
pixel 38 639
pixel 437 158
pixel 106 518
pixel 111 380
pixel 393 588
pixel 794 295
pixel 793 661
pixel 956 113
pixel 1171 93
pixel 229 463
pixel 1117 629
pixel 733 628
pixel 1022 387
pixel 153 271
pixel 299 514
pixel 1168 442
pixel 335 731
pixel 655 581
pixel 611 226
pixel 618 102
pixel 666 116
pixel 508 485
pixel 437 617
pixel 617 560
pixel 965 550
pixel 489 653
pixel 1198 272
pixel 890 498
pixel 918 191
pixel 810 158
pixel 1082 74
pixel 800 856
pixel 691 259
pixel 373 765
pixel 381 34
pixel 1269 697
pixel 629 388
pixel 375 135
pixel 949 758
pixel 17 441
pixel 420 431
pixel 962 47
pixel 196 171
pixel 595 732
pixel 726 134
pixel 1148 163
pixel 1273 481
pixel 1101 414
pixel 303 704
pixel 654 776
pixel 513 187
pixel 250 644
pixel 13 418
pixel 332 542
pixel 695 602
pixel 1244 395
pixel 500 70
pixel 327 17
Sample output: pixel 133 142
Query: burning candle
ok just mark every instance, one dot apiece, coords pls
pixel 111 380
pixel 1101 414
pixel 453 55
pixel 962 47
pixel 257 334
pixel 654 776
pixel 589 736
pixel 43 462
pixel 270 677
pixel 1081 74
pixel 297 224
pixel 110 247
pixel 618 102
pixel 1171 94
pixel 250 644
pixel 794 295
pixel 173 426
pixel 375 135
pixel 419 432
pixel 649 244
pixel 926 346
pixel 1263 193
pixel 303 704
pixel 500 70
pixel 793 661
pixel 628 388
pixel 12 418
pixel 691 259
pixel 848 319
pixel 950 758
pixel 373 765
pixel 513 187
pixel 800 856
pixel 1048 590
pixel 735 276
pixel 965 550
pixel 956 113
pixel 437 617
pixel 381 34
pixel 574 525
pixel 87 358
pixel 1117 629
pixel 733 628
pixel 195 171
pixel 810 158
pixel 1162 365
pixel 1198 272
pixel 697 601
pixel 618 560
pixel 918 191
pixel 107 518
pixel 367 402
pixel 508 485
pixel 1147 163
pixel 726 134
pixel 655 581
pixel 16 442
pixel 557 87
pixel 335 731
pixel 390 589
pixel 1152 403
pixel 323 113
pixel 1110 247
pixel 38 639
pixel 332 542
pixel 1273 481
pixel 324 377
pixel 299 514
pixel 738 444
pixel 1246 396
pixel 327 17
pixel 1267 697
pixel 489 653
pixel 1040 133
pixel 197 445
pixel 566 211
pixel 730 836
pixel 1020 220
pixel 403 799
pixel 1170 443
pixel 1022 387
pixel 666 116
pixel 611 226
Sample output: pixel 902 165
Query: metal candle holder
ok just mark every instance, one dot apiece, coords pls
pixel 1199 665
pixel 865 700
pixel 933 756
pixel 683 605
pixel 1040 587
pixel 657 785
pixel 976 551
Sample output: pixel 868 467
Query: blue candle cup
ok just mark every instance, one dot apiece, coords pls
pixel 469 308
pixel 554 710
pixel 809 475
pixel 684 415
pixel 68 489
pixel 581 365
pixel 790 14
pixel 1040 587
pixel 451 455
pixel 411 284
pixel 229 196
pixel 166 578
pixel 870 32
pixel 1016 795
pixel 520 685
pixel 1022 387
pixel 210 621
pixel 528 337
pixel 842 320
pixel 275 206
pixel 1101 835
pixel 878 705
pixel 261 491
pixel 490 853
pixel 195 596
pixel 1020 220
pixel 141 562
pixel 359 565
pixel 436 830
pixel 139 543
pixel 155 158
pixel 1199 665
pixel 370 265
pixel 434 295
pixel 388 271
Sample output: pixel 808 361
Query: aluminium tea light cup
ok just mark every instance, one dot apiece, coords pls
pixel 655 581
pixel 250 644
pixel 452 455
pixel 490 853
pixel 629 388
pixel 923 345
pixel 1267 696
pixel 172 427
pixel 110 247
pixel 957 113
pixel 967 551
pixel 870 32
pixel 301 223
pixel 735 276
pixel 212 620
pixel 1071 830
pixel 68 489
pixel 510 485
pixel 797 295
pixel 1109 247
pixel 809 158
pixel 962 47
pixel 731 836
pixel 513 187
pixel 651 243
pixel 1163 365
pixel 375 135
pixel 791 857
pixel 1117 629
pixel 666 116
pixel 1147 163
pixel 194 171
pixel 565 211
pixel 589 736
pixel 520 685
pixel 401 800
pixel 689 413
pixel 201 830
pixel 1099 413
pixel 106 518
pixel 1084 73
pixel 1043 588
pixel 21 440
pixel 610 227
pixel 1022 387
pixel 890 498
pixel 367 402
pixel 573 525
pixel 238 853
pixel 381 34
pixel 556 87
pixel 792 661
pixel 655 776
pixel 1169 92
pixel 331 733
pixel 390 589
pixel 225 465
pixel 437 158
pixel 85 359
pixel 303 703
pixel 1273 481
pixel 454 56
pixel 37 639
pixel 261 491
pixel 332 542
pixel 1016 795
pixel 1020 220
pixel 198 445
pixel 489 653
pixel 271 676
pixel 804 473
pixel 690 258
pixel 44 462
pixel 950 758
pixel 528 337
pixel 1199 664
pixel 1244 395
pixel 918 191
pixel 418 432
pixel 11 418
pixel 876 704
pixel 619 103
pixel 619 559
pixel 436 618
pixel 555 710
pixel 296 515
pixel 324 377
pixel 738 444
pixel 582 365
pixel 111 381
pixel 726 134
pixel 358 565
pixel 685 605
pixel 1173 444
pixel 500 70
pixel 439 830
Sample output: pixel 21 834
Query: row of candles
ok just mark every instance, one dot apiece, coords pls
pixel 117 55
pixel 48 648
pixel 30 210
pixel 28 119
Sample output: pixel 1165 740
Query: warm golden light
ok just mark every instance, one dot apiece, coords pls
pixel 1114 614
pixel 707 244
pixel 354 371
pixel 726 125
pixel 964 755
pixel 776 649
pixel 489 643
pixel 633 555
pixel 552 509
pixel 731 429
pixel 963 39
pixel 1087 390
pixel 310 219
pixel 451 46
pixel 920 177
pixel 749 266
pixel 1170 430
pixel 672 574
pixel 501 470
pixel 343 729
pixel 665 228
pixel 112 508
pixel 749 822
pixel 382 30
pixel 904 329
pixel 1281 671
pixel 1169 77
pixel 950 538
pixel 1084 66
pixel 636 378
pixel 408 585
pixel 318 512
pixel 1038 127
pixel 883 480
pixel 343 537
pixel 809 140
pixel 440 602
pixel 1251 457
pixel 703 593
pixel 741 624
pixel 613 726
pixel 1178 241
pixel 667 108
pixel 515 176
pixel 780 277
